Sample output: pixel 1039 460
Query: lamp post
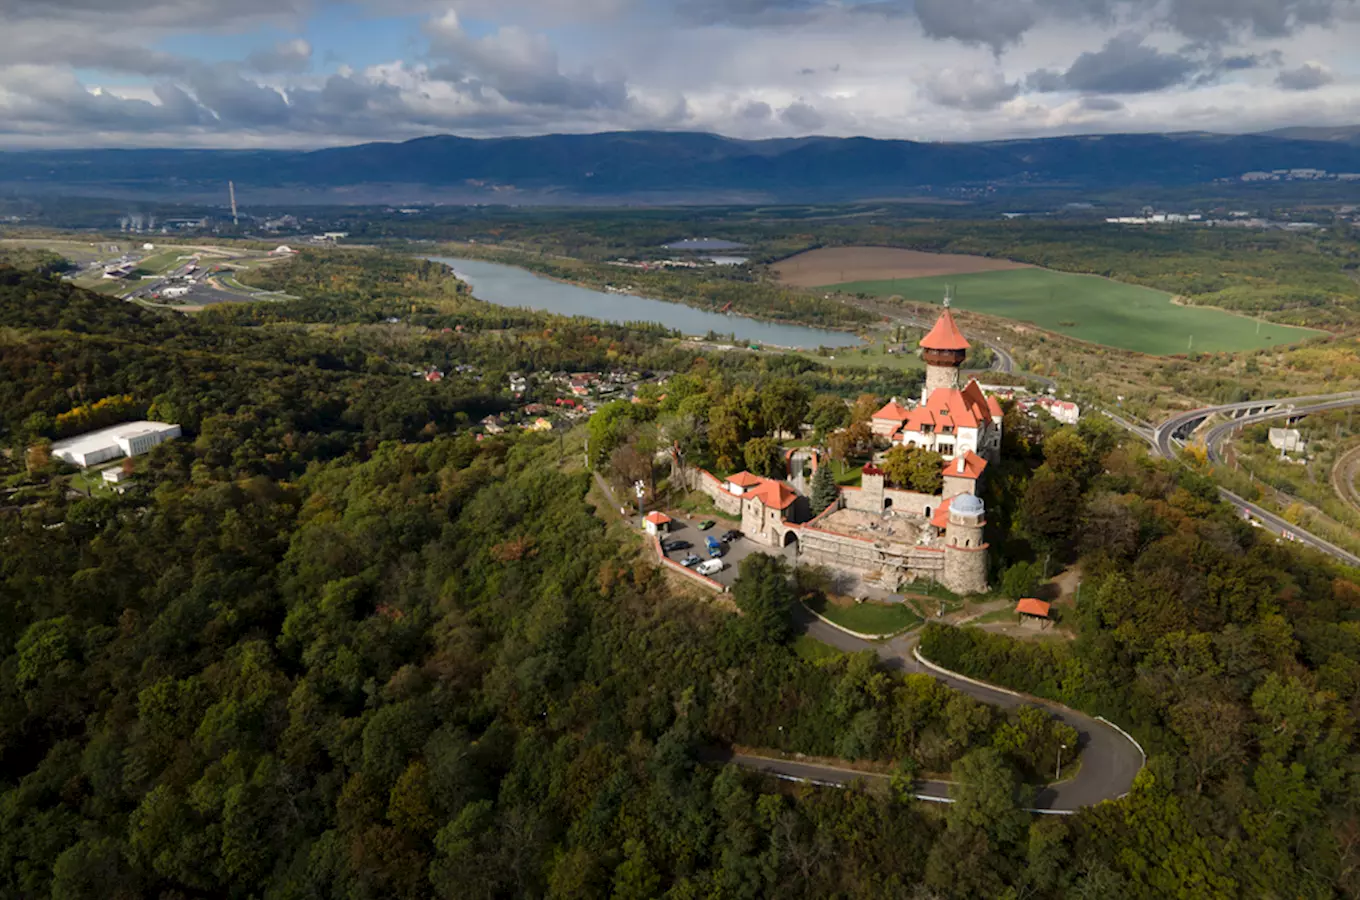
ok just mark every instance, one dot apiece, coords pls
pixel 1061 748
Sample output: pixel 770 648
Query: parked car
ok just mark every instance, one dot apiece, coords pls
pixel 690 561
pixel 672 546
pixel 715 546
pixel 730 535
pixel 710 567
pixel 706 524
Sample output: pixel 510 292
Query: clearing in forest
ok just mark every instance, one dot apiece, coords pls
pixel 1091 308
pixel 839 264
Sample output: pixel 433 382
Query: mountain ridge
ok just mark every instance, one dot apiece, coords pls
pixel 623 164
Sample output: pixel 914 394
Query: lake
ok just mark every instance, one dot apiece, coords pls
pixel 702 244
pixel 510 286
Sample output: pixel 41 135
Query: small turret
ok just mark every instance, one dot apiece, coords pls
pixel 965 551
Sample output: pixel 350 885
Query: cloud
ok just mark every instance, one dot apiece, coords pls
pixel 993 23
pixel 1125 65
pixel 519 65
pixel 285 56
pixel 969 89
pixel 802 116
pixel 755 111
pixel 1306 77
pixel 1101 104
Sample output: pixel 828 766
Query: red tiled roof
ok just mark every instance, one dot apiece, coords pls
pixel 941 517
pixel 745 479
pixel 1031 607
pixel 658 518
pixel 945 335
pixel 972 466
pixel 893 411
pixel 774 494
pixel 994 406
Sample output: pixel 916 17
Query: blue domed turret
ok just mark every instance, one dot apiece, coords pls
pixel 966 505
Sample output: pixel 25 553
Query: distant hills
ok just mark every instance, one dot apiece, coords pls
pixel 675 166
pixel 1348 134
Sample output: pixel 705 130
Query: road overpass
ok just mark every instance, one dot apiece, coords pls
pixel 1165 439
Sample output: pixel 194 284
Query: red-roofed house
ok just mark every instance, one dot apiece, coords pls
pixel 889 419
pixel 656 523
pixel 953 422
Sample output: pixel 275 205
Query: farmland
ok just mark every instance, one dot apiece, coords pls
pixel 840 264
pixel 1090 308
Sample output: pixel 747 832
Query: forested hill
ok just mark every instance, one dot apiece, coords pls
pixel 675 164
pixel 334 645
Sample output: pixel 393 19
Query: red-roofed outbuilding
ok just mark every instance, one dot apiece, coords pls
pixel 1032 607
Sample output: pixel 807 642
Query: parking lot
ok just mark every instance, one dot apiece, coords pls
pixel 737 550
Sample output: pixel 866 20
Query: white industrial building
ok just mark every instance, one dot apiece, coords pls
pixel 127 439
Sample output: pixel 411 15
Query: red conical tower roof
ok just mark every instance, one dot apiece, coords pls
pixel 945 335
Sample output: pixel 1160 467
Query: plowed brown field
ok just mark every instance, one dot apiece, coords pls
pixel 836 265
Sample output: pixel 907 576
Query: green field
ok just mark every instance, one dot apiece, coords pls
pixel 1093 309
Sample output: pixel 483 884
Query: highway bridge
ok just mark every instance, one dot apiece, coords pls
pixel 1166 437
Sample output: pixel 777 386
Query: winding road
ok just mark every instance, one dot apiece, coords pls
pixel 1109 759
pixel 1344 475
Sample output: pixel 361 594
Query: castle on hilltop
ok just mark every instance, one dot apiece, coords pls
pixel 882 533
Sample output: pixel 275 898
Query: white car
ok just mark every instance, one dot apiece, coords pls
pixel 710 567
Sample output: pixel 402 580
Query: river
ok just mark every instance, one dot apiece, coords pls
pixel 510 286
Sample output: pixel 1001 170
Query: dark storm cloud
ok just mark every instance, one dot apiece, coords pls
pixel 1306 77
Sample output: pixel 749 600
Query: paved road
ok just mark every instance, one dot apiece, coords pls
pixel 1109 760
pixel 1163 440
pixel 1168 432
pixel 1344 474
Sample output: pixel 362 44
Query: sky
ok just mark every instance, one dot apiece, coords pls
pixel 312 73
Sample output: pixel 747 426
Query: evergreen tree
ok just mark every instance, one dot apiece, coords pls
pixel 824 488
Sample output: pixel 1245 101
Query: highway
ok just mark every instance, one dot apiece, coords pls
pixel 1164 438
pixel 1110 760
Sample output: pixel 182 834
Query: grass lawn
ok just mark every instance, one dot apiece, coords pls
pixel 868 617
pixel 163 262
pixel 1093 309
pixel 870 356
pixel 813 650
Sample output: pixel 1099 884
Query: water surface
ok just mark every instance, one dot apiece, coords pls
pixel 510 286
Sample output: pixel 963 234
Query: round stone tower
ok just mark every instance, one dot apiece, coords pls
pixel 943 349
pixel 965 552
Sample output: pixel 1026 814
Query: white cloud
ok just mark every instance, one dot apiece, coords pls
pixel 925 69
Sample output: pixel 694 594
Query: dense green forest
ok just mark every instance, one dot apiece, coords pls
pixel 337 646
